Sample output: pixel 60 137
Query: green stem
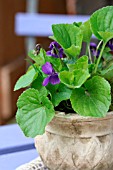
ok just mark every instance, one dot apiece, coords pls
pixel 88 51
pixel 99 44
pixel 100 55
pixel 87 45
pixel 90 55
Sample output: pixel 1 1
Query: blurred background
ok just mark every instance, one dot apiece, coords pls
pixel 14 48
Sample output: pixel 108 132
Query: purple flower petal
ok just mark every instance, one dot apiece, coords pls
pixel 54 79
pixel 48 53
pixel 54 43
pixel 110 46
pixel 110 41
pixel 61 52
pixel 96 53
pixel 47 68
pixel 93 45
pixel 54 55
pixel 55 50
pixel 46 81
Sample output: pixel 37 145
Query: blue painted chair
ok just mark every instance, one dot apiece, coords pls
pixel 15 148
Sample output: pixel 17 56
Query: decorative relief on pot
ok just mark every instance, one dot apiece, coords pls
pixel 76 152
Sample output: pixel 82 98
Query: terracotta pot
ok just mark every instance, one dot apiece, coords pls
pixel 73 142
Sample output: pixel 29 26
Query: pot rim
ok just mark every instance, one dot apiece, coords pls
pixel 71 117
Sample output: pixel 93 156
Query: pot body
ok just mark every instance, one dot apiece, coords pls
pixel 73 142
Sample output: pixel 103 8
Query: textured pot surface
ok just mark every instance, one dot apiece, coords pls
pixel 73 142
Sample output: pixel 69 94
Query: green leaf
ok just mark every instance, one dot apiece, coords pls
pixel 32 66
pixel 108 73
pixel 74 79
pixel 78 73
pixel 62 93
pixel 106 36
pixel 72 51
pixel 34 112
pixel 56 63
pixel 52 38
pixel 102 23
pixel 91 68
pixel 38 58
pixel 67 78
pixel 80 77
pixel 69 37
pixel 81 63
pixel 86 31
pixel 111 107
pixel 26 79
pixel 77 24
pixel 37 84
pixel 92 100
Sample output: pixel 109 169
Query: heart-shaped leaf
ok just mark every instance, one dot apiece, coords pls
pixel 106 36
pixel 108 73
pixel 38 58
pixel 81 63
pixel 62 93
pixel 69 37
pixel 37 84
pixel 77 24
pixel 78 73
pixel 86 31
pixel 102 23
pixel 34 112
pixel 67 78
pixel 56 63
pixel 93 99
pixel 72 51
pixel 26 79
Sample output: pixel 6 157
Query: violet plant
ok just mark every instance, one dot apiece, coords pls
pixel 63 80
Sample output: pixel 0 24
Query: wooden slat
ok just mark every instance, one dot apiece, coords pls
pixel 0 100
pixel 71 7
pixel 87 7
pixel 8 76
pixel 52 6
pixel 11 46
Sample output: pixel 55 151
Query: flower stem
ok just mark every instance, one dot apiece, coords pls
pixel 90 55
pixel 87 48
pixel 88 52
pixel 100 55
pixel 99 45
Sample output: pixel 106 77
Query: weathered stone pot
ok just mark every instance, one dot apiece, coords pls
pixel 72 142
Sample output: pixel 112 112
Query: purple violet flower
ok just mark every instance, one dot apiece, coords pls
pixel 52 75
pixel 93 48
pixel 55 50
pixel 110 45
